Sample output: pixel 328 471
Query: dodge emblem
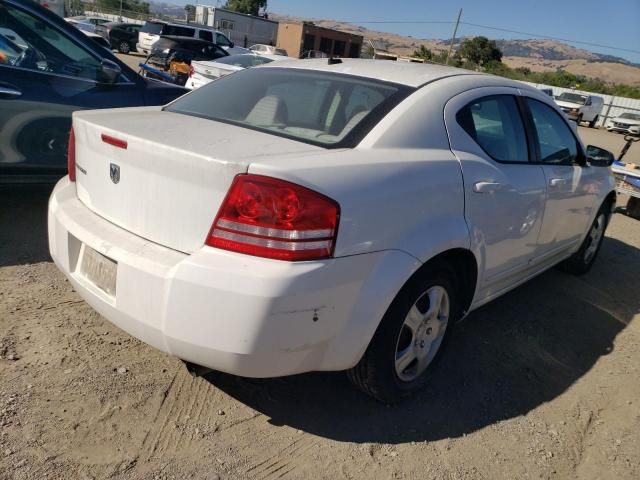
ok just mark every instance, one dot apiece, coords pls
pixel 114 173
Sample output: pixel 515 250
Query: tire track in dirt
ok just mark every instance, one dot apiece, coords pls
pixel 160 424
pixel 279 463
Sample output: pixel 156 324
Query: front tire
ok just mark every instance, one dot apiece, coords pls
pixel 581 262
pixel 403 352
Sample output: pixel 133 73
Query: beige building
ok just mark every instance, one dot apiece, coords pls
pixel 300 38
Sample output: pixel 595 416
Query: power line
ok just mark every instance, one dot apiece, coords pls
pixel 477 25
pixel 551 38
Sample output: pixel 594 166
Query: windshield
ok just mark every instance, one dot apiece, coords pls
pixel 153 28
pixel 630 116
pixel 244 61
pixel 325 109
pixel 573 98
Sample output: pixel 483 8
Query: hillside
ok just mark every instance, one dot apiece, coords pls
pixel 536 54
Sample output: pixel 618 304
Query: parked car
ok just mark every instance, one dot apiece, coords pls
pixel 85 23
pixel 99 39
pixel 205 72
pixel 121 36
pixel 580 107
pixel 49 71
pixel 626 122
pixel 151 32
pixel 268 50
pixel 324 215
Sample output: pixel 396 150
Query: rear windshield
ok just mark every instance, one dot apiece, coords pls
pixel 325 109
pixel 153 28
pixel 573 98
pixel 245 61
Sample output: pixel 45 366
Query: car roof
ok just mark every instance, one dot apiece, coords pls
pixel 180 39
pixel 404 73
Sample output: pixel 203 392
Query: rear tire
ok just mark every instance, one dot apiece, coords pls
pixel 581 262
pixel 592 123
pixel 403 353
pixel 124 47
pixel 633 208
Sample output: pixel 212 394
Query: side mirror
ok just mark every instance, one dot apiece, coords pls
pixel 599 157
pixel 109 72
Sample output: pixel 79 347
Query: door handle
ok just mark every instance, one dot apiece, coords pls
pixel 10 92
pixel 486 187
pixel 557 182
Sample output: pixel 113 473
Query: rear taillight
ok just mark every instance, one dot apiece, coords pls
pixel 191 71
pixel 71 156
pixel 271 218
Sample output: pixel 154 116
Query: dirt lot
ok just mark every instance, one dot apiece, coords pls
pixel 542 383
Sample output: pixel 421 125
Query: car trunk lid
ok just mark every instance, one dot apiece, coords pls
pixel 163 175
pixel 213 70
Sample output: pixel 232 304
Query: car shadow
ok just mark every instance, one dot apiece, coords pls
pixel 23 224
pixel 505 359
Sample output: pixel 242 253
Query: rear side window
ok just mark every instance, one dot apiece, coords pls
pixel 496 125
pixel 178 31
pixel 325 109
pixel 556 142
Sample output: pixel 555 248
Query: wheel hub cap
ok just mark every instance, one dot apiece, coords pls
pixel 422 333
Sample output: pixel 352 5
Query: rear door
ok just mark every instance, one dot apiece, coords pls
pixel 47 75
pixel 504 190
pixel 572 187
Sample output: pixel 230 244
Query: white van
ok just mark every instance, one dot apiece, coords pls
pixel 151 31
pixel 581 107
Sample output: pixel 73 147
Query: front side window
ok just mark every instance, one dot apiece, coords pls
pixel 324 109
pixel 222 40
pixel 496 125
pixel 555 140
pixel 30 43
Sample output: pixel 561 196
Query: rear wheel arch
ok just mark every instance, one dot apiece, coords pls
pixel 465 265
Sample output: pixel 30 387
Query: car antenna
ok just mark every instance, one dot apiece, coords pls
pixel 334 61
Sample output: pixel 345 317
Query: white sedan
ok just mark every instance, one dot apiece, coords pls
pixel 324 214
pixel 203 72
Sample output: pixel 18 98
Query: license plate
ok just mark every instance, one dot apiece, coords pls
pixel 99 270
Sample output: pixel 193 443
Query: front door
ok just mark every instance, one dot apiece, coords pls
pixel 504 190
pixel 44 76
pixel 572 186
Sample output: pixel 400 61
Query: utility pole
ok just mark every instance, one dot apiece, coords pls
pixel 453 38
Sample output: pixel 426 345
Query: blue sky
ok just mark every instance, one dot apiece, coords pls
pixel 605 22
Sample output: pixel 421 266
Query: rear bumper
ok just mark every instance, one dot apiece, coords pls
pixel 235 313
pixel 140 49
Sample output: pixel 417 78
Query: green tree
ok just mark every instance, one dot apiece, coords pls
pixel 480 51
pixel 252 7
pixel 423 52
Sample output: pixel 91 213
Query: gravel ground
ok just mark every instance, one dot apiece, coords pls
pixel 542 383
